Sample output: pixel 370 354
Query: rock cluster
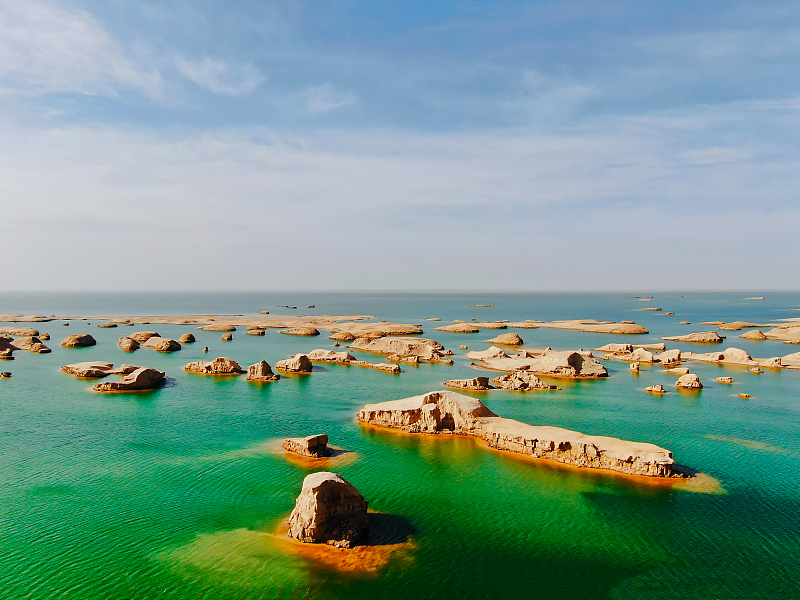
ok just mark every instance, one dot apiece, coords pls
pixel 342 336
pixel 521 381
pixel 218 366
pixel 424 349
pixel 30 344
pixel 450 412
pixel 329 510
pixel 575 365
pixel 160 344
pixel 345 358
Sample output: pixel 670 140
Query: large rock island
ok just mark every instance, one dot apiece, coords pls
pixel 450 412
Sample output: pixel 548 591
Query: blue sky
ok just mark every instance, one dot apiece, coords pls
pixel 513 145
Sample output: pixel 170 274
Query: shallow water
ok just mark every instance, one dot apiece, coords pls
pixel 167 494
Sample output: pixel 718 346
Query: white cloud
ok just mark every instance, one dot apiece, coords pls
pixel 220 77
pixel 323 98
pixel 44 48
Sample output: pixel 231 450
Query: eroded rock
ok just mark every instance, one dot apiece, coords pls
pixel 219 366
pixel 261 371
pixel 80 340
pixel 689 381
pixel 313 446
pixel 476 384
pixel 299 363
pixel 521 381
pixel 143 378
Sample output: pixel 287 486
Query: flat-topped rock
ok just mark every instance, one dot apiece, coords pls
pixel 656 389
pixel 217 327
pixel 593 326
pixel 96 369
pixel 219 366
pixel 299 363
pixel 43 336
pixel 616 348
pixel 106 325
pixel 491 352
pixel 261 371
pixel 724 379
pixel 143 336
pixel 128 344
pixel 521 381
pixel 186 338
pixel 141 379
pixel 506 339
pixel 689 381
pixel 458 328
pixel 255 331
pixel 476 384
pixel 659 346
pixel 342 336
pixel 791 360
pixel 312 446
pixel 19 331
pixel 423 349
pixel 788 333
pixel 345 358
pixel 364 329
pixel 329 510
pixel 702 337
pixel 29 344
pixel 300 331
pixel 80 340
pixel 489 325
pixel 160 344
pixel 449 412
pixel 676 371
pixel 737 325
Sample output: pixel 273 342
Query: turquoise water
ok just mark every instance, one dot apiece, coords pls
pixel 164 494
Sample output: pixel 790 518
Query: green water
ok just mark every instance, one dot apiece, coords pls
pixel 164 494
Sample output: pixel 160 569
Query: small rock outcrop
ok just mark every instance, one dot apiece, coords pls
pixel 299 363
pixel 676 371
pixel 218 366
pixel 30 344
pixel 186 338
pixel 261 371
pixel 106 325
pixel 656 389
pixel 634 366
pixel 44 337
pixel 300 331
pixel 226 337
pixel 160 344
pixel 424 349
pixel 143 378
pixel 342 336
pixel 213 327
pixel 754 334
pixel 506 339
pixel 458 328
pixel 128 344
pixel 312 446
pixel 329 510
pixel 255 331
pixel 703 337
pixel 724 380
pixel 521 381
pixel 670 357
pixel 80 340
pixel 690 382
pixel 143 336
pixel 476 384
pixel 96 370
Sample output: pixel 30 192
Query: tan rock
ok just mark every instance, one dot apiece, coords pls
pixel 298 363
pixel 44 337
pixel 459 328
pixel 143 378
pixel 724 380
pixel 656 389
pixel 490 325
pixel 521 381
pixel 160 344
pixel 410 360
pixel 476 384
pixel 329 510
pixel 755 370
pixel 634 367
pixel 80 340
pixel 96 370
pixel 686 322
pixel 676 371
pixel 261 371
pixel 754 334
pixel 312 446
pixel 745 396
pixel 704 337
pixel 218 366
pixel 363 329
pixel 128 344
pixel 300 331
pixel 226 337
pixel 217 327
pixel 19 331
pixel 143 336
pixel 186 338
pixel 506 339
pixel 492 352
pixel 106 325
pixel 670 357
pixel 448 412
pixel 330 356
pixel 433 319
pixel 255 331
pixel 463 347
pixel 342 336
pixel 616 348
pixel 33 344
pixel 689 382
pixel 593 326
pixel 424 349
pixel 791 360
pixel 566 364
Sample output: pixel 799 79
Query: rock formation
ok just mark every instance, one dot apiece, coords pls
pixel 143 378
pixel 226 337
pixel 218 327
pixel 489 353
pixel 30 344
pixel 106 325
pixel 670 357
pixel 506 339
pixel 143 336
pixel 96 370
pixel 313 446
pixel 676 371
pixel 299 363
pixel 656 389
pixel 44 337
pixel 521 381
pixel 186 338
pixel 549 363
pixel 329 510
pixel 489 325
pixel 616 348
pixel 724 380
pixel 458 328
pixel 80 340
pixel 476 384
pixel 634 367
pixel 261 371
pixel 160 344
pixel 689 381
pixel 128 344
pixel 345 358
pixel 450 412
pixel 342 336
pixel 754 334
pixel 590 325
pixel 300 331
pixel 19 331
pixel 218 366
pixel 423 349
pixel 703 337
pixel 255 331
pixel 365 329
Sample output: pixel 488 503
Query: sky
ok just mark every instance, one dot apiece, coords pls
pixel 538 145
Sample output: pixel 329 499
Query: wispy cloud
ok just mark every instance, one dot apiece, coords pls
pixel 219 76
pixel 326 97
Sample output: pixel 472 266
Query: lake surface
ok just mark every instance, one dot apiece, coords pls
pixel 166 494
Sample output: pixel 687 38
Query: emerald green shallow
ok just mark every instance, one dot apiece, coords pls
pixel 165 494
